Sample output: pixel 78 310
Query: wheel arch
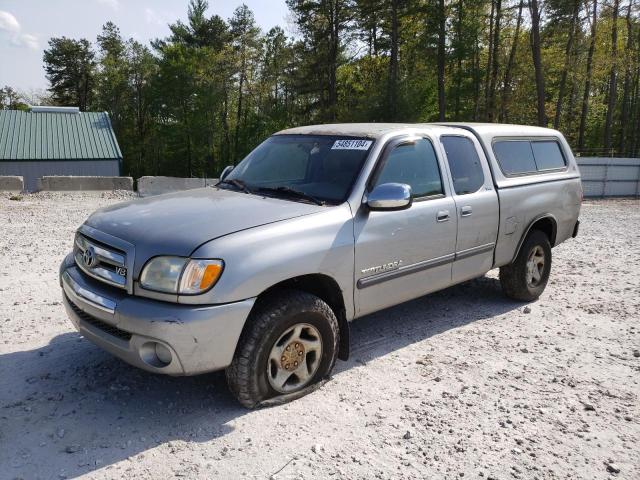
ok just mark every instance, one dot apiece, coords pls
pixel 546 223
pixel 324 287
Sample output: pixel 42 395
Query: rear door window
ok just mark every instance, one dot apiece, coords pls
pixel 515 156
pixel 548 155
pixel 464 164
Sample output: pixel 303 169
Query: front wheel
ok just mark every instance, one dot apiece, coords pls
pixel 526 278
pixel 289 344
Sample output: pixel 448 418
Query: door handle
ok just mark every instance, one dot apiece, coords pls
pixel 466 211
pixel 442 216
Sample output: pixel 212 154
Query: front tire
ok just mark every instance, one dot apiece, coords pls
pixel 289 344
pixel 526 278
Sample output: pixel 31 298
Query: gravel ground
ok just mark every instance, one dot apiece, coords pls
pixel 461 383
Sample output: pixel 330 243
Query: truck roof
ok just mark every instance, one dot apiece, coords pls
pixel 371 130
pixel 501 128
pixel 376 130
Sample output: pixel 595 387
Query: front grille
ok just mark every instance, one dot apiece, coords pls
pixel 101 261
pixel 99 324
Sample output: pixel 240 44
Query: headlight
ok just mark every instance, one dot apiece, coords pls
pixel 180 275
pixel 162 274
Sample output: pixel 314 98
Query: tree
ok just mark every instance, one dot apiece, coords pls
pixel 277 60
pixel 625 115
pixel 323 25
pixel 613 76
pixel 506 84
pixel 493 79
pixel 142 70
pixel 112 75
pixel 11 100
pixel 70 68
pixel 587 83
pixel 567 59
pixel 442 21
pixel 369 15
pixel 212 89
pixel 537 61
pixel 200 31
pixel 393 62
pixel 490 50
pixel 635 104
pixel 457 44
pixel 246 43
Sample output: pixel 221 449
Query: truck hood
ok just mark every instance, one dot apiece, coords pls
pixel 177 223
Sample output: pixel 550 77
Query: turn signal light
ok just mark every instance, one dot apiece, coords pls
pixel 200 275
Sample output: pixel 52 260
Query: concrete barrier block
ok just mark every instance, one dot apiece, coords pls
pixel 11 183
pixel 72 183
pixel 148 186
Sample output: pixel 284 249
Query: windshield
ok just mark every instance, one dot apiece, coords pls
pixel 302 167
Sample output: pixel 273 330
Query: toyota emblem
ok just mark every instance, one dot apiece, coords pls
pixel 89 257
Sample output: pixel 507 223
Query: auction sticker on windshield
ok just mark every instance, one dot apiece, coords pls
pixel 352 145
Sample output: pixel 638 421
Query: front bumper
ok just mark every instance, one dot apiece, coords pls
pixel 200 338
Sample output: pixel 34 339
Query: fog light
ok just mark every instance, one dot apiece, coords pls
pixel 155 354
pixel 163 353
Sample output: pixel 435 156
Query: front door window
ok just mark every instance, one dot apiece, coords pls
pixel 415 164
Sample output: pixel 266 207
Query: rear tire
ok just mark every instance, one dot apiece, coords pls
pixel 526 278
pixel 289 344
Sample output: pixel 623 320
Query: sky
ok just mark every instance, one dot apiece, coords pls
pixel 27 25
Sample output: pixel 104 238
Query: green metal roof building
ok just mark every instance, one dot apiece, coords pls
pixel 57 141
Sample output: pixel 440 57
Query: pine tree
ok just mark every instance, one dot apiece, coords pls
pixel 70 68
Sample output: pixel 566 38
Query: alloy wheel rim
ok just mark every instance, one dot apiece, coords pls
pixel 294 358
pixel 535 266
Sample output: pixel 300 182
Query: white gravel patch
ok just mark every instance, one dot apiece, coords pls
pixel 461 383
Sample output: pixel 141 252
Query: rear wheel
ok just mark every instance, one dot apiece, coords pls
pixel 289 344
pixel 526 278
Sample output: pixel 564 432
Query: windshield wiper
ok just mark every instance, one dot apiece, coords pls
pixel 239 184
pixel 293 193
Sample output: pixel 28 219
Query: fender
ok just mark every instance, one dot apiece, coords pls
pixel 554 229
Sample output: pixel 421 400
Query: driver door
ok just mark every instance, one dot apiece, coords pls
pixel 404 254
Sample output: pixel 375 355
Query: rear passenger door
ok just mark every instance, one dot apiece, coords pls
pixel 476 207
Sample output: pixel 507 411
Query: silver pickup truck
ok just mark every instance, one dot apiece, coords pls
pixel 319 225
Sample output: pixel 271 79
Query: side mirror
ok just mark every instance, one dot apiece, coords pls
pixel 227 170
pixel 390 196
